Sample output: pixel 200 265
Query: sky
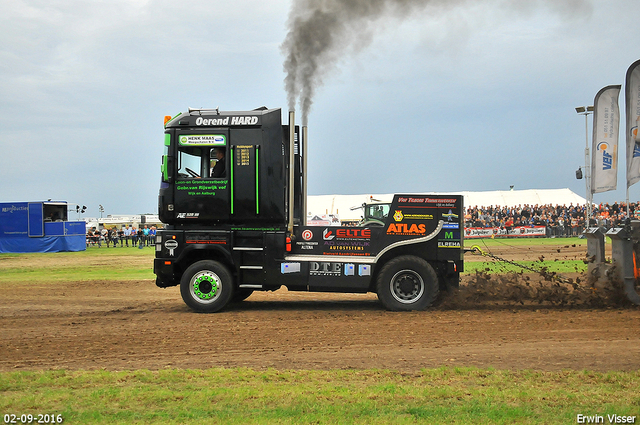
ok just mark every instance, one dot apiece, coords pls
pixel 479 96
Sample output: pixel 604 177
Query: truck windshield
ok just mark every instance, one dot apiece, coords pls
pixel 190 163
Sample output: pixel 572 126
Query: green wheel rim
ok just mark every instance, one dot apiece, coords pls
pixel 205 287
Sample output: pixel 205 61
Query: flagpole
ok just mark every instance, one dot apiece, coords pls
pixel 586 110
pixel 628 213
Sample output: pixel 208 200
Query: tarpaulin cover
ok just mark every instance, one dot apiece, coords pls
pixel 23 229
pixel 44 244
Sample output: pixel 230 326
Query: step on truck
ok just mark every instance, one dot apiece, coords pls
pixel 233 201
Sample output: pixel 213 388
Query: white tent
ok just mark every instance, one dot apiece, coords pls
pixel 342 205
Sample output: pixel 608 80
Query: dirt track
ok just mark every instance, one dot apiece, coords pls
pixel 132 325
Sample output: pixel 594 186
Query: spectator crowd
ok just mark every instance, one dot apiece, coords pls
pixel 143 236
pixel 560 220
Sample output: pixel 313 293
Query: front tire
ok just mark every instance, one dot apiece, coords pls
pixel 206 286
pixel 407 283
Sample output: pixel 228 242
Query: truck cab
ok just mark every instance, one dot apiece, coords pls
pixel 233 200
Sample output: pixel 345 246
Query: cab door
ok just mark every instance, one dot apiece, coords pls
pixel 198 195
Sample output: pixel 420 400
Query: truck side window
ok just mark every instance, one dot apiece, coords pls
pixel 377 211
pixel 217 163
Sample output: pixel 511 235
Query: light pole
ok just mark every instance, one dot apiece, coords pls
pixel 586 111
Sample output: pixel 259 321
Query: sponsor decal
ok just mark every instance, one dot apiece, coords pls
pixel 227 121
pixel 307 235
pixel 349 269
pixel 345 234
pixel 200 188
pixel 286 268
pixel 406 229
pixel 324 269
pixel 410 200
pixel 171 245
pixel 450 234
pixel 418 216
pixel 307 245
pixel 364 270
pixel 338 269
pixel 607 158
pixel 397 216
pixel 450 215
pixel 448 244
pixel 188 215
pixel 203 140
pixel 346 241
pixel 355 234
pixel 346 246
pixel 205 238
pixel 636 150
pixel 13 209
pixel 211 242
pixel 451 239
pixel 451 226
pixel 324 220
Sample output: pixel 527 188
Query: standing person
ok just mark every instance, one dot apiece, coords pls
pixel 145 232
pixel 121 236
pixel 97 237
pixel 140 238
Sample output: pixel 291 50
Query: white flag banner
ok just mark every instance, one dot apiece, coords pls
pixel 606 128
pixel 632 105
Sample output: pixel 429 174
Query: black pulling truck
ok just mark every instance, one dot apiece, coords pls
pixel 233 198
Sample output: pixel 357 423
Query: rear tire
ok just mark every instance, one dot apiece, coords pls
pixel 206 286
pixel 407 283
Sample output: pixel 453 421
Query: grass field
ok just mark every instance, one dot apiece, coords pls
pixel 92 264
pixel 239 395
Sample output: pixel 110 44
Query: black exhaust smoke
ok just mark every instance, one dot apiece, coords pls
pixel 321 31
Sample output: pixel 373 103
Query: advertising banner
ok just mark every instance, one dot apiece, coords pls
pixel 516 232
pixel 632 107
pixel 606 124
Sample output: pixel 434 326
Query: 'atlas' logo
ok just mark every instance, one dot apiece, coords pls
pixel 406 229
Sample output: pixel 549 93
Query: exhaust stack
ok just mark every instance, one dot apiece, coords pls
pixel 292 136
pixel 304 176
